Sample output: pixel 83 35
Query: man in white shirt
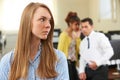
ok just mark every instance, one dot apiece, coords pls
pixel 95 51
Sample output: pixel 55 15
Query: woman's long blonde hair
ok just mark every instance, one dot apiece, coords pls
pixel 20 63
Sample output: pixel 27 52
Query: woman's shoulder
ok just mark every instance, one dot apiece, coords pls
pixel 60 54
pixel 5 64
pixel 6 59
pixel 64 33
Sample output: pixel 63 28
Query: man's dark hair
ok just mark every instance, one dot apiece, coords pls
pixel 87 20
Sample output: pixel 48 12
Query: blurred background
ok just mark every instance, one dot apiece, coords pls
pixel 105 14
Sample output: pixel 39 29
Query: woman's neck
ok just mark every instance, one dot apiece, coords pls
pixel 69 29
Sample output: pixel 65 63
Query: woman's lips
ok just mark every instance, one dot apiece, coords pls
pixel 45 32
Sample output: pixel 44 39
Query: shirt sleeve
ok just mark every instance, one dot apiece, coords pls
pixel 82 62
pixel 4 67
pixel 62 67
pixel 82 65
pixel 107 50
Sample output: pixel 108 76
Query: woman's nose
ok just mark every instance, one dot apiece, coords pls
pixel 47 24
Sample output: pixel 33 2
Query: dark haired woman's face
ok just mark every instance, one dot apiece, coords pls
pixel 41 23
pixel 75 26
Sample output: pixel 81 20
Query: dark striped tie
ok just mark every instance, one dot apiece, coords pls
pixel 88 42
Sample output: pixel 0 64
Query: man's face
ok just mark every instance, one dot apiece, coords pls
pixel 86 28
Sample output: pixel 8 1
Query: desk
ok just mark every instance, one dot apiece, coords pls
pixel 112 76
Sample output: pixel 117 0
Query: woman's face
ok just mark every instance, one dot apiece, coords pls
pixel 41 23
pixel 75 26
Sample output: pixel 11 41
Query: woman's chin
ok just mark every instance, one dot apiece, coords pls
pixel 44 38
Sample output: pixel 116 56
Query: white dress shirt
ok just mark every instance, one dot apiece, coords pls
pixel 100 50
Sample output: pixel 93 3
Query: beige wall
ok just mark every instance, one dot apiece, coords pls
pixel 103 25
pixel 85 8
pixel 1 12
pixel 64 6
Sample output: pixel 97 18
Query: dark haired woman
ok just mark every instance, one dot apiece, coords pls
pixel 69 41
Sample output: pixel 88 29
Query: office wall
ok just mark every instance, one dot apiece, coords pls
pixel 1 13
pixel 62 8
pixel 103 25
pixel 85 8
pixel 11 42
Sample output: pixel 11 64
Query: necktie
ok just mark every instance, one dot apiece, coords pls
pixel 88 42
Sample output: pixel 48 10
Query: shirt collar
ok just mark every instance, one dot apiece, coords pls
pixel 38 54
pixel 92 32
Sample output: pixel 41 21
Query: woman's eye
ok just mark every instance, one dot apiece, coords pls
pixel 42 19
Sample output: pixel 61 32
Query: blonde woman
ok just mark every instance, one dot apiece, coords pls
pixel 34 57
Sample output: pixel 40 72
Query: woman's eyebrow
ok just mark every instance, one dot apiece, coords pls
pixel 45 17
